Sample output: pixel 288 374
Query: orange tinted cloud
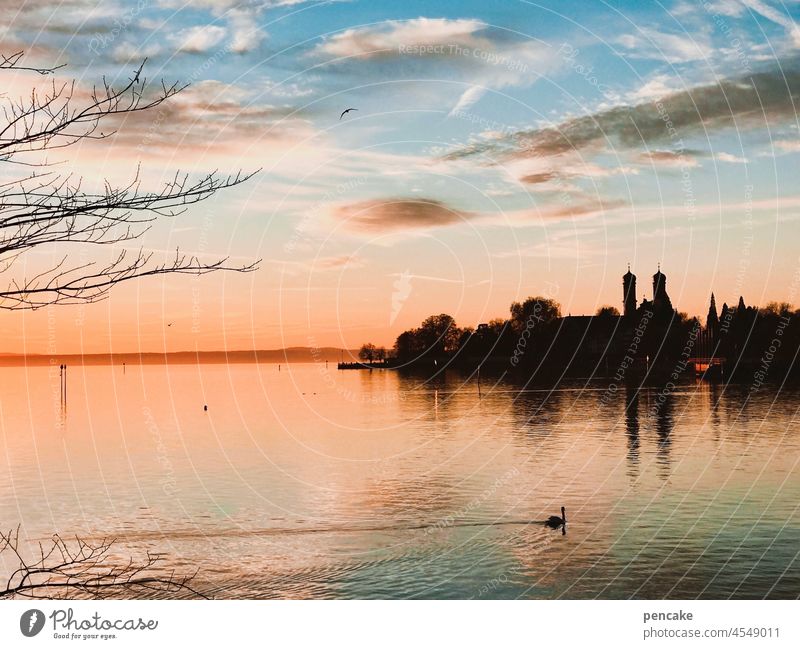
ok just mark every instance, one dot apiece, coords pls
pixel 398 214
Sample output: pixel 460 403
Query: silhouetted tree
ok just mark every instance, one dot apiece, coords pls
pixel 607 311
pixel 497 326
pixel 439 334
pixel 41 207
pixel 465 336
pixel 534 311
pixel 368 352
pixel 776 309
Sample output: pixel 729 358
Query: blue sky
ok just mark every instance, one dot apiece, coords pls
pixel 499 150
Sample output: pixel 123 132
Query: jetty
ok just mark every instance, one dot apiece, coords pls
pixel 363 366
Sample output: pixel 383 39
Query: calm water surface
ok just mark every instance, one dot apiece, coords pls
pixel 313 483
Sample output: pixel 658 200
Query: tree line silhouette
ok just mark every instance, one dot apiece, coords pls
pixel 538 341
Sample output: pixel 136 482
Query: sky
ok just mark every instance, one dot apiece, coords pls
pixel 498 150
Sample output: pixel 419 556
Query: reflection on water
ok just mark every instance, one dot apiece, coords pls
pixel 310 482
pixel 665 422
pixel 632 426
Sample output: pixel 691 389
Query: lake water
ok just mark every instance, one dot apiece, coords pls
pixel 312 483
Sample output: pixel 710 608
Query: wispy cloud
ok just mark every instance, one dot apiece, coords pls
pixel 648 43
pixel 787 146
pixel 72 17
pixel 663 158
pixel 762 100
pixel 212 114
pixel 587 207
pixel 482 56
pixel 338 261
pixel 776 16
pixel 729 157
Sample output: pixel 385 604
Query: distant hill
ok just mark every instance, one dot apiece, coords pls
pixel 287 355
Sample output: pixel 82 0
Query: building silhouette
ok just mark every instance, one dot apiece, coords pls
pixel 712 321
pixel 660 305
pixel 650 341
pixel 661 302
pixel 629 293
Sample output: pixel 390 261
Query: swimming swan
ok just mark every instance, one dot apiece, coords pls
pixel 555 521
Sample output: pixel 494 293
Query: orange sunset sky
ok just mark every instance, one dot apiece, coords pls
pixel 497 152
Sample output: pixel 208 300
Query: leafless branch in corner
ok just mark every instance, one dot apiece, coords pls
pixel 67 570
pixel 43 207
pixel 10 61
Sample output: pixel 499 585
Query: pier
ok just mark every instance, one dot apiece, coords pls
pixel 362 366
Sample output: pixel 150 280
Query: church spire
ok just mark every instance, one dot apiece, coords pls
pixel 712 321
pixel 661 299
pixel 629 293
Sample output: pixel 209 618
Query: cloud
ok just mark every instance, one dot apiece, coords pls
pixel 466 50
pixel 730 8
pixel 728 157
pixel 404 215
pixel 573 249
pixel 247 35
pixel 585 207
pixel 69 17
pixel 208 117
pixel 341 261
pixel 788 146
pixel 222 6
pixel 672 48
pixel 778 17
pixel 662 158
pixel 539 178
pixel 423 36
pixel 198 39
pixel 467 99
pixel 659 86
pixel 761 100
pixel 128 52
pixel 398 214
pixel 242 17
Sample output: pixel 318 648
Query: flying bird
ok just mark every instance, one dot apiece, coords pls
pixel 344 112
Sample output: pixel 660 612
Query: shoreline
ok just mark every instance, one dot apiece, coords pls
pixel 288 355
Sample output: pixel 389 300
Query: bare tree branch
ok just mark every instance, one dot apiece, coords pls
pixel 45 208
pixel 65 570
pixel 12 62
pixel 51 120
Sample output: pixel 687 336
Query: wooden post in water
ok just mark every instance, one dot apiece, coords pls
pixel 62 375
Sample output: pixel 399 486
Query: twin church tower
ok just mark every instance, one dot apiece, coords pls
pixel 660 305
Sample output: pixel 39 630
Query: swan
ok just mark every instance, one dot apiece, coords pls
pixel 555 521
